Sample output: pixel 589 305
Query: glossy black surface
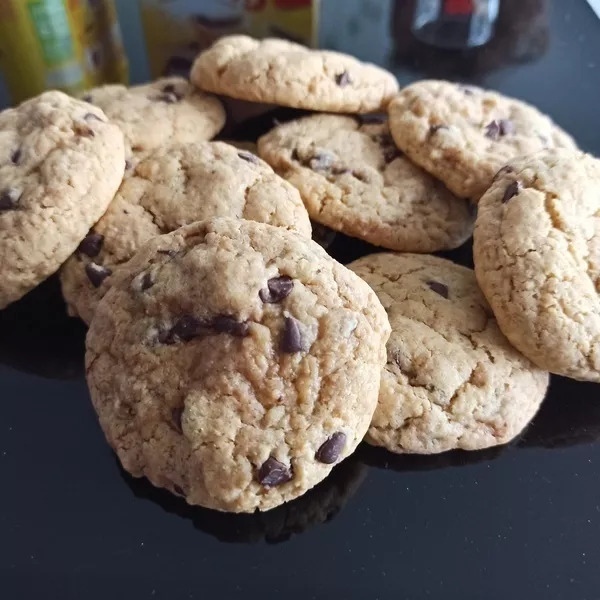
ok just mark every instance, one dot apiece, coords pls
pixel 517 522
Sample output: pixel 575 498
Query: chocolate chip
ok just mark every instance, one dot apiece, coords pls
pixel 15 157
pixel 505 169
pixel 169 88
pixel 512 190
pixel 97 273
pixel 498 128
pixel 227 324
pixel 435 128
pixel 292 339
pixel 361 176
pixel 9 198
pixel 128 165
pixel 176 418
pixel 273 473
pixel 331 448
pixel 371 119
pixel 340 170
pixel 277 289
pixel 92 116
pixel 87 98
pixel 248 156
pixel 178 490
pixel 147 282
pixel 91 244
pixel 438 288
pixel 343 79
pixel 321 161
pixel 186 328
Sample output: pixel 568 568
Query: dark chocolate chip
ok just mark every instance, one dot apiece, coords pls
pixel 321 161
pixel 512 190
pixel 9 198
pixel 277 289
pixel 498 128
pixel 390 153
pixel 340 170
pixel 248 156
pixel 273 473
pixel 331 448
pixel 97 273
pixel 147 282
pixel 292 339
pixel 91 244
pixel 87 98
pixel 505 169
pixel 169 88
pixel 227 324
pixel 438 288
pixel 186 328
pixel 92 116
pixel 343 79
pixel 435 128
pixel 371 119
pixel 176 418
pixel 15 157
pixel 295 155
pixel 178 490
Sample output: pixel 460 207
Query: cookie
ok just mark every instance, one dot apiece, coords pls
pixel 353 179
pixel 537 259
pixel 275 71
pixel 451 380
pixel 172 187
pixel 463 134
pixel 61 163
pixel 276 350
pixel 162 113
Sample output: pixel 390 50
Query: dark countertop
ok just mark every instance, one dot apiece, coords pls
pixel 516 522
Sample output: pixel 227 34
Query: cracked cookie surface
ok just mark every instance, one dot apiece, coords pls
pixel 169 188
pixel 464 134
pixel 61 163
pixel 537 259
pixel 276 71
pixel 452 380
pixel 234 363
pixel 353 179
pixel 165 112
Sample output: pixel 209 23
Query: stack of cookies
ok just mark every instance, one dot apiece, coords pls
pixel 230 359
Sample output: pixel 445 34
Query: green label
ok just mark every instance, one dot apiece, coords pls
pixel 51 24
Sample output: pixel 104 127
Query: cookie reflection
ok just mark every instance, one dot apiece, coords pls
pixel 38 337
pixel 317 506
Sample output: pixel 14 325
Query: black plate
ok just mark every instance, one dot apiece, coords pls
pixel 516 522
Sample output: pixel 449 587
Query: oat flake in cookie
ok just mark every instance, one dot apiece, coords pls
pixel 463 134
pixel 353 178
pixel 61 163
pixel 452 380
pixel 234 363
pixel 537 259
pixel 169 188
pixel 161 113
pixel 276 71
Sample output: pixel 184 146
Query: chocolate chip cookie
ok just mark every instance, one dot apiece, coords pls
pixel 164 112
pixel 463 134
pixel 537 259
pixel 172 187
pixel 61 163
pixel 234 363
pixel 353 179
pixel 451 380
pixel 275 71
